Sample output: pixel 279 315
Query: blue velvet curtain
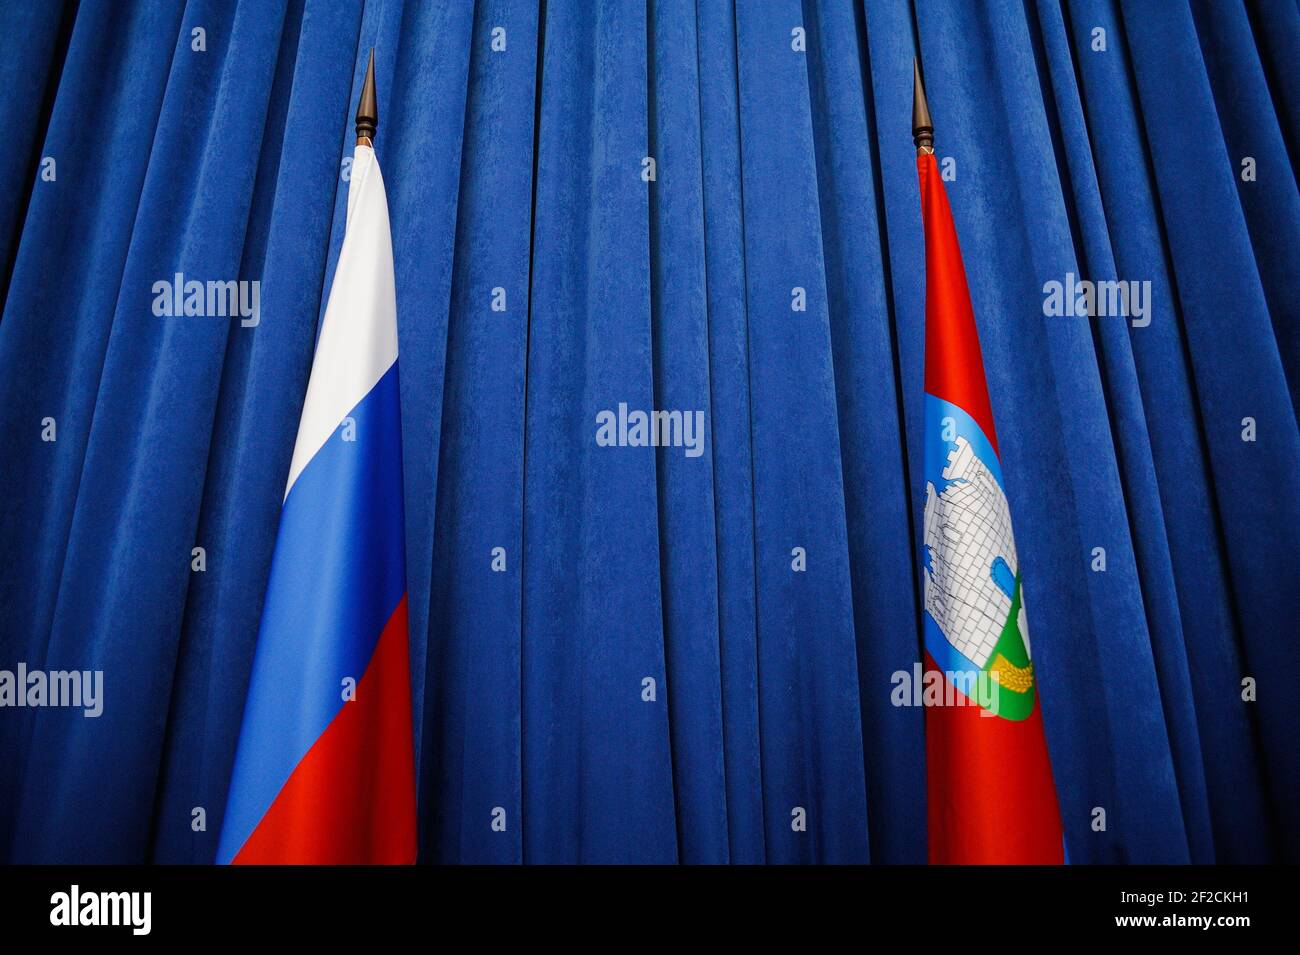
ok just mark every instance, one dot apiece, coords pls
pixel 540 280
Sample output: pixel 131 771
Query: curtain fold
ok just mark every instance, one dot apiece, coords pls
pixel 1137 472
pixel 626 654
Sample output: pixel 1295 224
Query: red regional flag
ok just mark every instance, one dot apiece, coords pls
pixel 989 782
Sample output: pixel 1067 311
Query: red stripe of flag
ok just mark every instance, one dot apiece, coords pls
pixel 352 797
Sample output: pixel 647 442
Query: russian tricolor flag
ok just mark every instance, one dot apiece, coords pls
pixel 324 771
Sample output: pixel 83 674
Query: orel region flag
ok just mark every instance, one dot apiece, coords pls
pixel 991 796
pixel 324 773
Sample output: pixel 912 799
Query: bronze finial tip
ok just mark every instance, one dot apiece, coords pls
pixel 368 107
pixel 922 126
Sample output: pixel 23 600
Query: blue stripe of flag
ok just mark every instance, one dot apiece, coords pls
pixel 337 576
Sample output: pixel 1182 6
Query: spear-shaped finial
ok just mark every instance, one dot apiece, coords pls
pixel 368 107
pixel 922 127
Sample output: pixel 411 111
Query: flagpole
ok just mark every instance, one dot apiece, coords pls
pixel 922 127
pixel 368 107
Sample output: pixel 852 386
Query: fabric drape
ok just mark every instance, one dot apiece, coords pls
pixel 629 654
